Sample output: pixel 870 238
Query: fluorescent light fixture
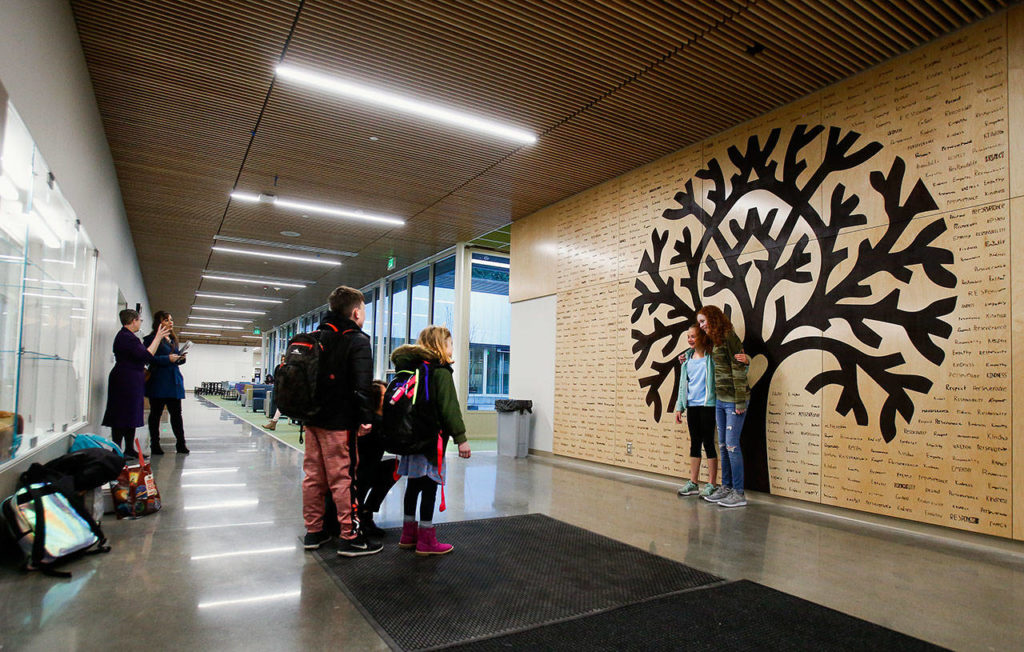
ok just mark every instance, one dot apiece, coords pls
pixel 211 527
pixel 491 263
pixel 78 317
pixel 17 258
pixel 333 211
pixel 232 469
pixel 231 297
pixel 258 598
pixel 253 337
pixel 53 296
pixel 255 281
pixel 231 310
pixel 238 553
pixel 225 504
pixel 58 261
pixel 215 327
pixel 264 254
pixel 284 245
pixel 245 196
pixel 380 97
pixel 199 334
pixel 238 321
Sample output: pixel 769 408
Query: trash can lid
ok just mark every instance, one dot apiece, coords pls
pixel 513 405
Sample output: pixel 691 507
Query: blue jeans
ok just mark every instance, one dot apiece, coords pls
pixel 730 425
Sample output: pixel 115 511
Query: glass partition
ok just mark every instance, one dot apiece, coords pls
pixel 399 313
pixel 47 272
pixel 444 293
pixel 419 317
pixel 489 331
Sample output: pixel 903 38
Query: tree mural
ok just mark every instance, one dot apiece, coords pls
pixel 716 240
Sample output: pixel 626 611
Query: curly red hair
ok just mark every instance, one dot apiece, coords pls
pixel 718 323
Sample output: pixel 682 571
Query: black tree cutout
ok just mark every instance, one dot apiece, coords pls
pixel 831 298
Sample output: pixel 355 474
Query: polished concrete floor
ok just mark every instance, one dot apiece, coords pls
pixel 221 567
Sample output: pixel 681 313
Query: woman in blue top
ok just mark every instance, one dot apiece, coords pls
pixel 697 402
pixel 165 386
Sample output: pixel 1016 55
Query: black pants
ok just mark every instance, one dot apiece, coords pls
pixel 374 478
pixel 416 487
pixel 156 410
pixel 701 421
pixel 125 438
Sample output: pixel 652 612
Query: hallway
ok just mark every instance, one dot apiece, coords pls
pixel 221 566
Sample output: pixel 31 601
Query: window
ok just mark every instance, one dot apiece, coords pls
pixel 47 277
pixel 399 313
pixel 444 293
pixel 419 318
pixel 489 331
pixel 368 324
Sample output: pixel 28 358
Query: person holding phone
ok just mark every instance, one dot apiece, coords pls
pixel 125 402
pixel 165 386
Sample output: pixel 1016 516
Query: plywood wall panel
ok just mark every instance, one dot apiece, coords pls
pixel 1015 82
pixel 1017 358
pixel 535 250
pixel 861 240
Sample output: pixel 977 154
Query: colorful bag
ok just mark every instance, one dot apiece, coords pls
pixel 83 441
pixel 135 493
pixel 50 528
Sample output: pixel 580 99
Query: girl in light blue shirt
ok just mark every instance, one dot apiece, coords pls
pixel 697 401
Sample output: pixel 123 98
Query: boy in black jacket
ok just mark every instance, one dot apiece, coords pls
pixel 344 396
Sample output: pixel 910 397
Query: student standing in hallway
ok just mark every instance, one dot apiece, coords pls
pixel 345 401
pixel 165 386
pixel 731 394
pixel 697 401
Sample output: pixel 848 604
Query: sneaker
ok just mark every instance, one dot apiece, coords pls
pixel 689 489
pixel 718 494
pixel 708 489
pixel 358 547
pixel 314 540
pixel 734 499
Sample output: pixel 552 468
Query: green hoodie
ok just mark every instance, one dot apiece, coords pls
pixel 442 387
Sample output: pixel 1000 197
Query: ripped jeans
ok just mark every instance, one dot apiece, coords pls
pixel 730 425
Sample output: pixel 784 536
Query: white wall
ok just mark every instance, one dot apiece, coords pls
pixel 216 362
pixel 44 72
pixel 532 365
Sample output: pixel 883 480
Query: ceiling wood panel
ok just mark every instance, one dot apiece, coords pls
pixel 192 110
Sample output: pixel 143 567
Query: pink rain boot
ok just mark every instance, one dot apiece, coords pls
pixel 408 539
pixel 427 543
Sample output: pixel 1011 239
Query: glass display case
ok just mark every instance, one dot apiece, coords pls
pixel 47 280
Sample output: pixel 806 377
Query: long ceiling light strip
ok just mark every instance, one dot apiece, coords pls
pixel 199 334
pixel 264 254
pixel 321 209
pixel 228 319
pixel 387 99
pixel 235 297
pixel 231 310
pixel 255 281
pixel 284 245
pixel 215 327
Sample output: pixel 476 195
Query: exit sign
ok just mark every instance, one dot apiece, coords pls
pixel 391 263
pixel 256 331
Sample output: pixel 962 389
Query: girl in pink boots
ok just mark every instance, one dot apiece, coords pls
pixel 426 472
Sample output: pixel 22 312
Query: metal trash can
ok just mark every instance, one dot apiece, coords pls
pixel 513 427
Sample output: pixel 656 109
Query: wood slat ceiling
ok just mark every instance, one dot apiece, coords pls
pixel 192 110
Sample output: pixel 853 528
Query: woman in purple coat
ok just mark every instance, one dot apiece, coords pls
pixel 127 381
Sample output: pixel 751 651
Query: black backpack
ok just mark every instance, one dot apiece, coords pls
pixel 297 379
pixel 409 424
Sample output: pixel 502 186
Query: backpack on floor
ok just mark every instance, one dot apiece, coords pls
pixel 88 468
pixel 409 424
pixel 296 379
pixel 50 528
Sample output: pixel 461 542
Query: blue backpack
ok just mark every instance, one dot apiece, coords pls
pixel 83 441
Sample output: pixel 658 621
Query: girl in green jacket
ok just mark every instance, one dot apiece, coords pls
pixel 425 473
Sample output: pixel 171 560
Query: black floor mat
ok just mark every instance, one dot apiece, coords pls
pixel 505 574
pixel 737 616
